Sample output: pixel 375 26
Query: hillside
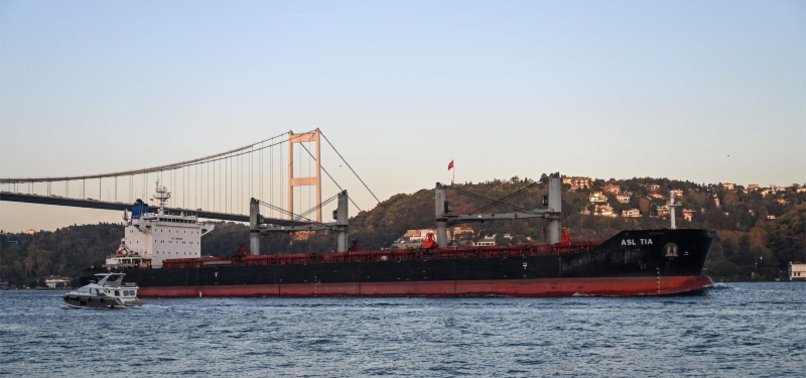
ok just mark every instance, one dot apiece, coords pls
pixel 759 229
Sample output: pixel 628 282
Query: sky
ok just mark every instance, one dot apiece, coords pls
pixel 706 91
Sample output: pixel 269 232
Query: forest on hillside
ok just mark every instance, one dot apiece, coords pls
pixel 759 230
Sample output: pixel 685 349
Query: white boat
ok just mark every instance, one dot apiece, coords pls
pixel 109 291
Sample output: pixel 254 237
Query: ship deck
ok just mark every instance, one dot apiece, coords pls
pixel 388 255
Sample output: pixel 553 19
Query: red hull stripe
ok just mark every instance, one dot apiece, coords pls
pixel 543 287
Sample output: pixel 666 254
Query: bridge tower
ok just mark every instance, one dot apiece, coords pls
pixel 315 180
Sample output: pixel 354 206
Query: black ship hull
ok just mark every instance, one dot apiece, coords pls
pixel 646 262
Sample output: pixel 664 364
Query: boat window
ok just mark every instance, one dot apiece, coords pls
pixel 117 293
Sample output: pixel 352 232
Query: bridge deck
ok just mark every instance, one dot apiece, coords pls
pixel 119 206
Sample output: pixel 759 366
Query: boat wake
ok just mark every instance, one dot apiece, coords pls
pixel 721 286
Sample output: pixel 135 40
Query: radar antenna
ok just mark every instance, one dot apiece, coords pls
pixel 162 195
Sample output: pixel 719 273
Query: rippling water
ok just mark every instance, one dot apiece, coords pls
pixel 737 329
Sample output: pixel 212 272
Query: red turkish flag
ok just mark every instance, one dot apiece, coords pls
pixel 450 165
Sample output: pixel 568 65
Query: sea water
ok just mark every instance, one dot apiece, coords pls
pixel 735 329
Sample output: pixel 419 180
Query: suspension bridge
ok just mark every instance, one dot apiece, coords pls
pixel 284 172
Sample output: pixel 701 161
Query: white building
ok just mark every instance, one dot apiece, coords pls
pixel 598 197
pixel 577 182
pixel 604 210
pixel 631 213
pixel 54 282
pixel 418 235
pixel 797 271
pixel 413 238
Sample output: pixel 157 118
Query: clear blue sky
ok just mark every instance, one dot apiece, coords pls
pixel 707 91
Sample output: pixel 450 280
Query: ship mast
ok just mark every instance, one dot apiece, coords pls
pixel 672 205
pixel 162 195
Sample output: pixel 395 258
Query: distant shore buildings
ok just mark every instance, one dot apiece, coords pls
pixel 652 198
pixel 601 194
pixel 56 282
pixel 577 182
pixel 797 271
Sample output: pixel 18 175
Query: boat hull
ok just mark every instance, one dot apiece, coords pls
pixel 92 301
pixel 642 262
pixel 541 287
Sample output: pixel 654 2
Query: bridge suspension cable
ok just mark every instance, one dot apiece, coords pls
pixel 351 168
pixel 218 184
pixel 160 168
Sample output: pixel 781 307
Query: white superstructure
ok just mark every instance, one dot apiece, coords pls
pixel 158 236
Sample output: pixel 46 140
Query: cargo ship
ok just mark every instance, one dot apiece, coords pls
pixel 161 252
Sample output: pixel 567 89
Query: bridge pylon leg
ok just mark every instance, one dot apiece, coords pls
pixel 315 180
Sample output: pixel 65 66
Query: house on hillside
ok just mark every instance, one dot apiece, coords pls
pixel 624 197
pixel 412 238
pixel 598 197
pixel 771 190
pixel 612 188
pixel 418 234
pixel 662 211
pixel 577 182
pixel 631 213
pixel 604 210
